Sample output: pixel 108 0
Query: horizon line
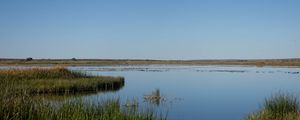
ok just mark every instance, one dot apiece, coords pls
pixel 146 59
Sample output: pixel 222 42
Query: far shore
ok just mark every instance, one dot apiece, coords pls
pixel 256 62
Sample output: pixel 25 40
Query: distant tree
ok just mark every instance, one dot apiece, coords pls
pixel 74 59
pixel 29 59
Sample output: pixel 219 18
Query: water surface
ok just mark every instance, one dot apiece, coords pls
pixel 201 92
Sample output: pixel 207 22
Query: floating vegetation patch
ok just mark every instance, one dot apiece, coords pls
pixel 156 98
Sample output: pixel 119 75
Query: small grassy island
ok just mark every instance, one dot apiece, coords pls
pixel 58 80
pixel 19 86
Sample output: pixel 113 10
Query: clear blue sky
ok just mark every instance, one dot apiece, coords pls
pixel 150 29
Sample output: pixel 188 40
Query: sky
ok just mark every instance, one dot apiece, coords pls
pixel 150 29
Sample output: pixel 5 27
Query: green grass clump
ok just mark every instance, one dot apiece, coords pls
pixel 57 80
pixel 40 73
pixel 282 106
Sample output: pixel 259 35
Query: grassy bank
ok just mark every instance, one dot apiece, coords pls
pixel 57 80
pixel 18 89
pixel 255 62
pixel 23 107
pixel 278 107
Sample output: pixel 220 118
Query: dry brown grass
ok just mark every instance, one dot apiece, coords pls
pixel 258 62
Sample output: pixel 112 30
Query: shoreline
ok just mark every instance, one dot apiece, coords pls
pixel 109 62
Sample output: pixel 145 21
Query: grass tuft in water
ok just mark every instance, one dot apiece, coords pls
pixel 281 106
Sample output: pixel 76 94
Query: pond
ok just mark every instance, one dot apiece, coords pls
pixel 199 92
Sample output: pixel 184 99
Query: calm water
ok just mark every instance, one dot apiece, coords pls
pixel 200 92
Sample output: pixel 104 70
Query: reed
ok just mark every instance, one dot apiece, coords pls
pixel 57 80
pixel 22 107
pixel 40 73
pixel 18 88
pixel 281 106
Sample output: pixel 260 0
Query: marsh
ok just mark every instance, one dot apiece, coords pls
pixel 210 92
pixel 202 92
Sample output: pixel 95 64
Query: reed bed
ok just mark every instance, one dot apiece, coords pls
pixel 281 106
pixel 57 80
pixel 23 107
pixel 18 88
pixel 40 73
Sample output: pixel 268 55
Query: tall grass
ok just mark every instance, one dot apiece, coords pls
pixel 18 87
pixel 40 73
pixel 281 106
pixel 57 80
pixel 22 107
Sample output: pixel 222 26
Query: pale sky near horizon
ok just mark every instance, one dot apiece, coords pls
pixel 150 29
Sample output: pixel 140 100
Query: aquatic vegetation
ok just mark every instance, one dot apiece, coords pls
pixel 58 72
pixel 18 89
pixel 281 106
pixel 155 97
pixel 57 80
pixel 23 107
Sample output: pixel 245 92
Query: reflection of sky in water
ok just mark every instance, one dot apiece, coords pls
pixel 204 92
